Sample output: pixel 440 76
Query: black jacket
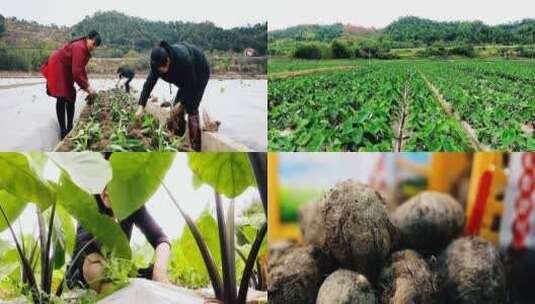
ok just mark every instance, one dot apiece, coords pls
pixel 126 73
pixel 189 71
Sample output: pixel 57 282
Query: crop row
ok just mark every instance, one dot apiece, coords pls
pixel 500 110
pixel 108 124
pixel 381 107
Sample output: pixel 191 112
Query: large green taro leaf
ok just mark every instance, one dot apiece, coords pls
pixel 186 263
pixel 228 173
pixel 83 207
pixel 89 170
pixel 20 179
pixel 12 207
pixel 135 178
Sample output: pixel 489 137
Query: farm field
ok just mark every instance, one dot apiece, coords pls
pixel 420 105
pixel 32 125
pixel 281 65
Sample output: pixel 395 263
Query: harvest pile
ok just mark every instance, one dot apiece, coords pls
pixel 406 106
pixel 107 123
pixel 355 253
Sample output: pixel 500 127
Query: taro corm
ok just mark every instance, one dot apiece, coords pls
pixel 346 287
pixel 352 226
pixel 408 279
pixel 471 271
pixel 429 221
pixel 295 274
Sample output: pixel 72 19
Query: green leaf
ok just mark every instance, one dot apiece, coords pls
pixel 82 206
pixel 89 170
pixel 186 264
pixel 12 206
pixel 9 260
pixel 196 181
pixel 20 179
pixel 228 173
pixel 38 162
pixel 249 233
pixel 66 226
pixel 136 176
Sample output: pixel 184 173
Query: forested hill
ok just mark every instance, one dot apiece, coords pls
pixel 415 31
pixel 419 30
pixel 125 32
pixel 319 32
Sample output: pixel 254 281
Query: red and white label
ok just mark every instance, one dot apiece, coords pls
pixel 518 222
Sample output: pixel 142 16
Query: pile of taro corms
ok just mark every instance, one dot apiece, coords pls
pixel 355 252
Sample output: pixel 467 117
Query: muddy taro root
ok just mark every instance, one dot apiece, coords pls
pixel 295 274
pixel 429 221
pixel 408 279
pixel 356 229
pixel 346 287
pixel 471 272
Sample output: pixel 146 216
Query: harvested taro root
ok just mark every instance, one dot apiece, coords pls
pixel 471 272
pixel 295 274
pixel 346 287
pixel 407 280
pixel 429 221
pixel 351 224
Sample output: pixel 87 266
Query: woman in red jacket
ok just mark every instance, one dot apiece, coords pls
pixel 65 67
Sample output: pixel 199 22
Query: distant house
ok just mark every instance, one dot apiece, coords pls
pixel 249 52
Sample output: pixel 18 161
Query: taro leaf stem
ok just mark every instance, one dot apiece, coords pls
pixel 211 267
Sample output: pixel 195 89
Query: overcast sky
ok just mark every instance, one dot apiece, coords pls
pixel 279 13
pixel 68 12
pixel 379 13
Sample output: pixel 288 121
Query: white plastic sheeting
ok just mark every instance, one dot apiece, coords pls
pixel 141 291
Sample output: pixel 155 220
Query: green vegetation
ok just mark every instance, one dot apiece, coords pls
pixel 2 24
pixel 219 251
pixel 403 36
pixel 404 106
pixel 25 45
pixel 108 123
pixel 123 33
pixel 292 199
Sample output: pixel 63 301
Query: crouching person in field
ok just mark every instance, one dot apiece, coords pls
pixel 89 268
pixel 125 74
pixel 186 67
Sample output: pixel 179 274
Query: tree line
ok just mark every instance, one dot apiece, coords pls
pixel 424 32
pixel 410 32
pixel 123 33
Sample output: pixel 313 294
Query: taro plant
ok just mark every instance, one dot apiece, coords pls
pixel 131 178
pixel 22 183
pixel 229 174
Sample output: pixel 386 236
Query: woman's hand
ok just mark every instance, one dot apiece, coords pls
pixel 91 91
pixel 159 272
pixel 160 275
pixel 140 110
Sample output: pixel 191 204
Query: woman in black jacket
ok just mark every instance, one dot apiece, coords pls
pixel 186 67
pixel 88 268
pixel 126 73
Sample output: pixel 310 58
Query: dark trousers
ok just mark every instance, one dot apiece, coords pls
pixel 127 85
pixel 63 106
